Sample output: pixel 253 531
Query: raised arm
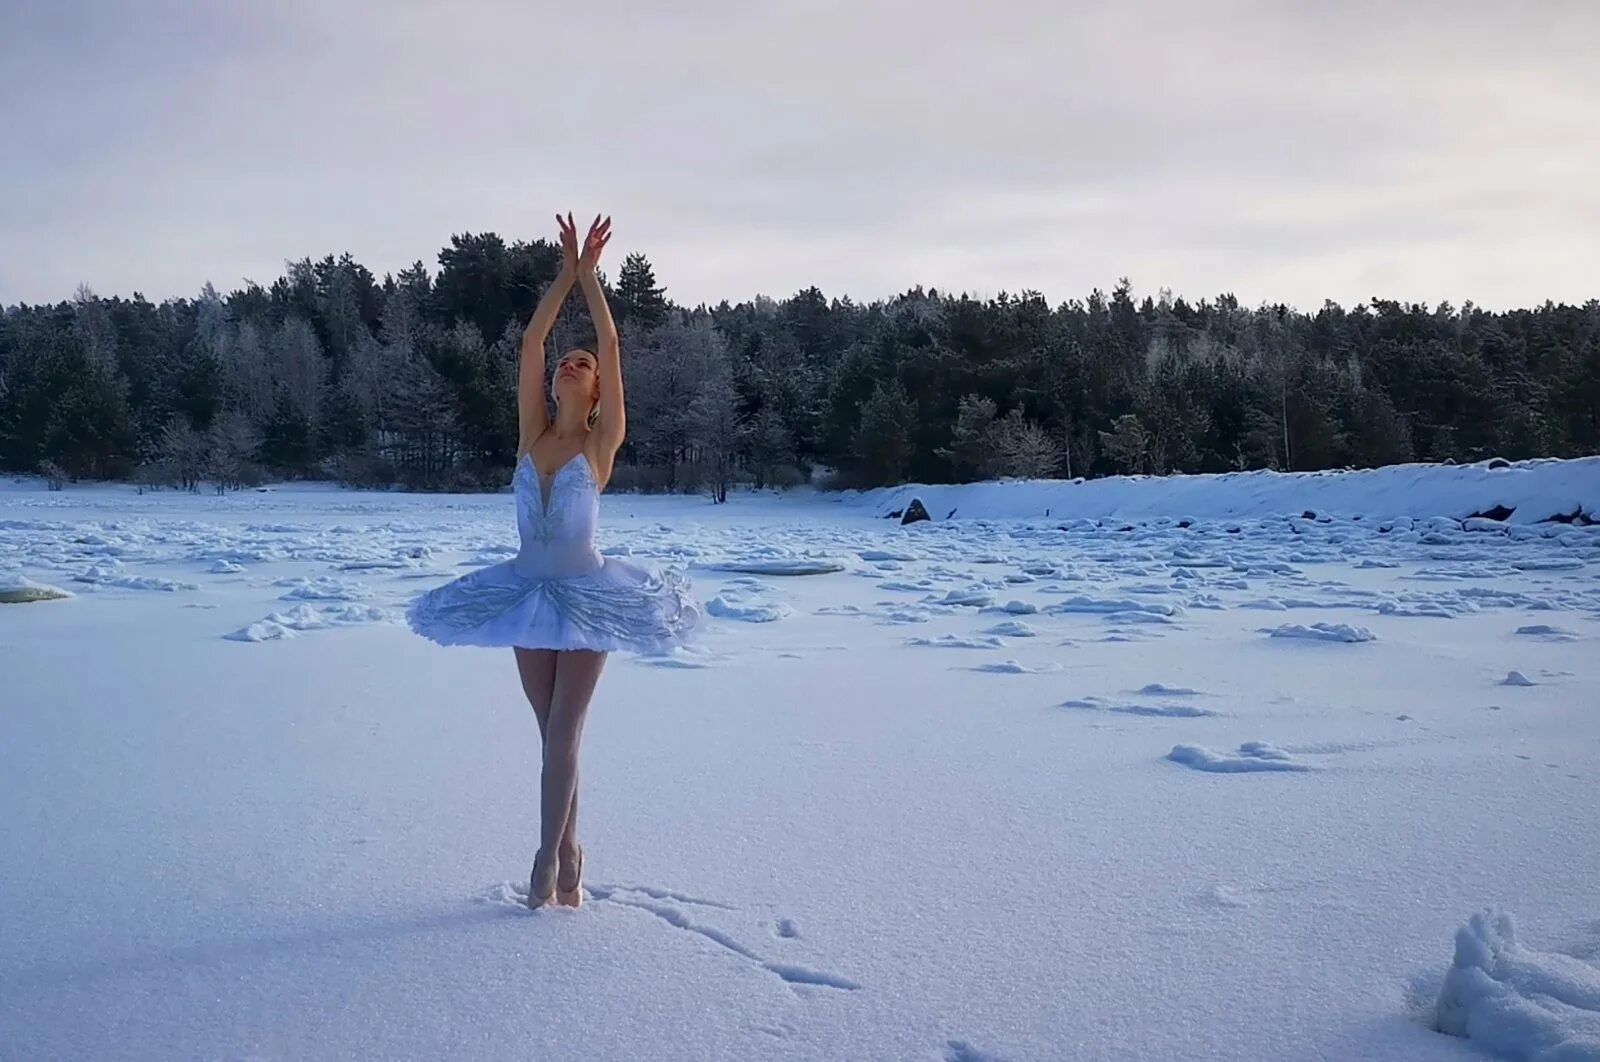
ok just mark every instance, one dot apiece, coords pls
pixel 611 424
pixel 533 415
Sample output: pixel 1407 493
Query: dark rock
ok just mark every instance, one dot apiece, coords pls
pixel 1185 524
pixel 950 515
pixel 1499 512
pixel 1497 463
pixel 1577 518
pixel 897 514
pixel 915 512
pixel 1309 514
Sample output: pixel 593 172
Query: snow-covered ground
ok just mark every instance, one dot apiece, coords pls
pixel 1533 490
pixel 1067 788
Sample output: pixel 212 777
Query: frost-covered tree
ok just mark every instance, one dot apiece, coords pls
pixel 408 377
pixel 233 445
pixel 1024 449
pixel 299 368
pixel 182 453
pixel 714 423
pixel 664 375
pixel 771 447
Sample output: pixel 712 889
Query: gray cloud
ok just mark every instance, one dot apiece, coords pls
pixel 1283 151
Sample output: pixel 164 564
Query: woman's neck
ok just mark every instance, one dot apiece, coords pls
pixel 571 425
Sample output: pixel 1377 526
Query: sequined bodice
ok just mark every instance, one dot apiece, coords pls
pixel 557 530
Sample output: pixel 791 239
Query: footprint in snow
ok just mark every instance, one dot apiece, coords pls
pixel 962 1051
pixel 674 909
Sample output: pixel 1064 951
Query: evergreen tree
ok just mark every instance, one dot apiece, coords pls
pixel 883 441
pixel 1127 444
pixel 972 449
pixel 327 368
pixel 641 303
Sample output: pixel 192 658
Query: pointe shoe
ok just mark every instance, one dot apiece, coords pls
pixel 535 900
pixel 572 897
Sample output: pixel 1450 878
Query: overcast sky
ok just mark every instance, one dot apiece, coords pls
pixel 1293 150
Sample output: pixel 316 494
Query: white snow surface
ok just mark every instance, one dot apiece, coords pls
pixel 248 814
pixel 1536 490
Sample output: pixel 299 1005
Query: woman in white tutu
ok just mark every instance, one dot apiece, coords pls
pixel 558 603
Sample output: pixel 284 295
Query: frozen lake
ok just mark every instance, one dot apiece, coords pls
pixel 977 789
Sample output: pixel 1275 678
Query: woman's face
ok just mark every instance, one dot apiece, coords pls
pixel 577 377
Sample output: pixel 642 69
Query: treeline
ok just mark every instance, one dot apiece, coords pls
pixel 332 373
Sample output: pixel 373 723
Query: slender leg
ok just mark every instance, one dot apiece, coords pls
pixel 576 674
pixel 537 669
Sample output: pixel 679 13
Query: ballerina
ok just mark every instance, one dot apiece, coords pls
pixel 558 603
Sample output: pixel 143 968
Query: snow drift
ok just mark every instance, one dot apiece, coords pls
pixel 1522 1004
pixel 1535 490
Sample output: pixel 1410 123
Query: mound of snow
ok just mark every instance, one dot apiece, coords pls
pixel 261 631
pixel 1322 632
pixel 1548 633
pixel 1252 756
pixel 1084 603
pixel 1530 491
pixel 280 625
pixel 323 589
pixel 780 566
pixel 952 641
pixel 1522 1004
pixel 1012 629
pixel 1169 711
pixel 735 606
pixel 975 595
pixel 105 574
pixel 1016 667
pixel 19 589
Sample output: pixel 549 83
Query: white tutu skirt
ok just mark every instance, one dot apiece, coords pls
pixel 620 605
